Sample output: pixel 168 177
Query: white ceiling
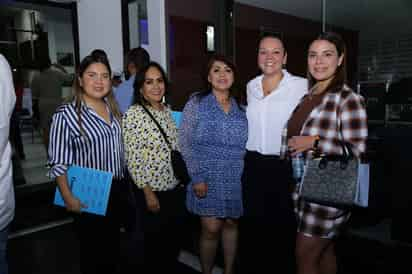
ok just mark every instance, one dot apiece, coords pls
pixel 371 17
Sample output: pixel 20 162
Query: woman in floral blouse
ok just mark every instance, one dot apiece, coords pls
pixel 149 165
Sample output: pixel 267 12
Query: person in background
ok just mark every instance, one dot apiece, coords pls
pixel 136 59
pixel 269 222
pixel 116 81
pixel 212 139
pixel 329 114
pixel 47 93
pixel 8 99
pixel 149 165
pixel 86 132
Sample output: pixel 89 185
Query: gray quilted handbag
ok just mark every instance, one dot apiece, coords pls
pixel 331 180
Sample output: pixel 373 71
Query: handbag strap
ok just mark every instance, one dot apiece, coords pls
pixel 346 147
pixel 158 125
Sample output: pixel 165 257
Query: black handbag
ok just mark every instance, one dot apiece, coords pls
pixel 332 180
pixel 178 164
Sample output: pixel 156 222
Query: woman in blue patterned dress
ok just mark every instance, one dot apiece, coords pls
pixel 212 139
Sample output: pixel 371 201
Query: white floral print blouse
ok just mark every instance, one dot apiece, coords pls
pixel 147 153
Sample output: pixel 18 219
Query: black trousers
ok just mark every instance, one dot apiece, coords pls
pixel 15 134
pixel 163 232
pixel 267 231
pixel 133 238
pixel 99 238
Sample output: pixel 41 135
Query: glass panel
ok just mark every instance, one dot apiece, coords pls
pixel 379 41
pixel 34 34
pixel 137 23
pixel 29 35
pixel 380 49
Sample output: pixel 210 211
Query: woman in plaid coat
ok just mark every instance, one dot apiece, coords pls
pixel 330 113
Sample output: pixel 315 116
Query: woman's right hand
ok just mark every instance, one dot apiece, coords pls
pixel 299 144
pixel 71 202
pixel 74 205
pixel 200 189
pixel 152 202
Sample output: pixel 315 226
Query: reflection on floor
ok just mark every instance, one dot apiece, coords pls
pixel 56 251
pixel 34 166
pixel 34 207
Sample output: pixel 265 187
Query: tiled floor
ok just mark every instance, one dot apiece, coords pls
pixel 33 167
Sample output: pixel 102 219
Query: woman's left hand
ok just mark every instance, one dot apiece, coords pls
pixel 298 144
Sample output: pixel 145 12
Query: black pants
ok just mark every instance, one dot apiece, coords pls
pixel 163 232
pixel 132 222
pixel 99 238
pixel 15 134
pixel 267 231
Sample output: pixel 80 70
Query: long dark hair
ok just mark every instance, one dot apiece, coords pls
pixel 339 79
pixel 233 90
pixel 77 90
pixel 138 97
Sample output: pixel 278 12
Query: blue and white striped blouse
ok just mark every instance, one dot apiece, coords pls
pixel 98 145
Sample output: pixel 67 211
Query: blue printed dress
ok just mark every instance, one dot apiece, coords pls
pixel 213 145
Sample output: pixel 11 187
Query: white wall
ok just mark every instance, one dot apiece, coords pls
pixel 100 26
pixel 157 31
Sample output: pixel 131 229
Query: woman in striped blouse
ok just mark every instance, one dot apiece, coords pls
pixel 149 164
pixel 86 132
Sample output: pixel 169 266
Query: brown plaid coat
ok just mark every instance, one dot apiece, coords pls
pixel 340 116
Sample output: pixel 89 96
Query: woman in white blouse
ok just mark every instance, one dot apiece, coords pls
pixel 149 165
pixel 268 222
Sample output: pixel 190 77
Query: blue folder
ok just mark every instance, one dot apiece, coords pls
pixel 90 186
pixel 177 116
